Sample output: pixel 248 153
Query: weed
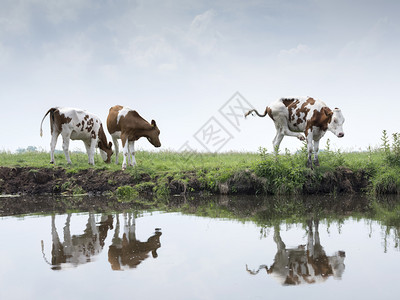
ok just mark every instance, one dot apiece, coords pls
pixel 126 193
pixel 391 151
pixel 284 174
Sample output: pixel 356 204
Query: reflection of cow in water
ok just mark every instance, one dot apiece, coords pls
pixel 128 251
pixel 78 249
pixel 300 265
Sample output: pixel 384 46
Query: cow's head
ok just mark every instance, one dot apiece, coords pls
pixel 105 151
pixel 153 135
pixel 336 123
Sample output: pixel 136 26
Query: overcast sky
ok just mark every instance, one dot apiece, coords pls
pixel 183 62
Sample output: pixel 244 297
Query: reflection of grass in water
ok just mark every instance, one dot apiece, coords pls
pixel 267 212
pixel 387 213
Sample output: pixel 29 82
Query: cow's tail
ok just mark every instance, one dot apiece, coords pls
pixel 44 255
pixel 51 110
pixel 267 111
pixel 255 272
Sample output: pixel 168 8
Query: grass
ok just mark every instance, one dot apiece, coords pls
pixel 284 173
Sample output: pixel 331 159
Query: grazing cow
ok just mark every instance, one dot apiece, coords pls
pixel 77 124
pixel 295 115
pixel 294 266
pixel 126 124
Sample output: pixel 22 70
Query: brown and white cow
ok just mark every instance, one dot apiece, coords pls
pixel 126 124
pixel 77 124
pixel 295 115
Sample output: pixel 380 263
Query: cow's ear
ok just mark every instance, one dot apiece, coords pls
pixel 328 112
pixel 153 123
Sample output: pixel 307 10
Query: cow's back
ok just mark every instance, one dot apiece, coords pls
pixel 112 119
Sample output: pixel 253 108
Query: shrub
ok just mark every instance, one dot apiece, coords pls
pixel 387 181
pixel 284 173
pixel 126 192
pixel 391 151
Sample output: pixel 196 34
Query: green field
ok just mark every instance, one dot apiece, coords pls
pixel 245 173
pixel 265 172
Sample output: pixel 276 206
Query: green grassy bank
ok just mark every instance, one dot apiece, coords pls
pixel 165 173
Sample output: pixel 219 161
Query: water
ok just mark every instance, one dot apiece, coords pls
pixel 171 255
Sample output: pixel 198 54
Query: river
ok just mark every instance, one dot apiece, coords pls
pixel 202 253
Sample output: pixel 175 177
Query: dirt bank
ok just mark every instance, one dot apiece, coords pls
pixel 55 181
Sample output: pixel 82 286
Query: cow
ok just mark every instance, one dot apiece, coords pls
pixel 76 124
pixel 126 124
pixel 294 266
pixel 292 116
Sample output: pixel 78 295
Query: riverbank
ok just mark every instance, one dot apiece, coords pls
pixel 165 174
pixel 48 181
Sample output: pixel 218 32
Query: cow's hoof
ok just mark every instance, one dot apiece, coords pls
pixel 52 162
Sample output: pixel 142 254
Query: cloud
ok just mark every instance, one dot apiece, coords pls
pixel 151 51
pixel 371 43
pixel 203 34
pixel 63 10
pixel 4 54
pixel 301 49
pixel 201 23
pixel 74 51
pixel 14 18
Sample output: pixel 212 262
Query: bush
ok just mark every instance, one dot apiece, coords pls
pixel 126 192
pixel 284 173
pixel 387 181
pixel 391 151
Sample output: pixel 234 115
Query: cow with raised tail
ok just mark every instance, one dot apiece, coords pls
pixel 294 116
pixel 126 124
pixel 76 124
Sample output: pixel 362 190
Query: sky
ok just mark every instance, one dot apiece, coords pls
pixel 196 66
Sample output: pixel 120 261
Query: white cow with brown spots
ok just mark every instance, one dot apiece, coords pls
pixel 126 124
pixel 76 124
pixel 303 115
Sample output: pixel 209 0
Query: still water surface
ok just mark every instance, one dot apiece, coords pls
pixel 158 255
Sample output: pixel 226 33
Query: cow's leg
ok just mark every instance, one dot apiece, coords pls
pixel 115 140
pixel 309 150
pixel 288 132
pixel 129 154
pixel 316 149
pixel 66 138
pixel 277 140
pixel 87 147
pixel 91 149
pixel 132 152
pixel 281 124
pixel 54 137
pixel 125 151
